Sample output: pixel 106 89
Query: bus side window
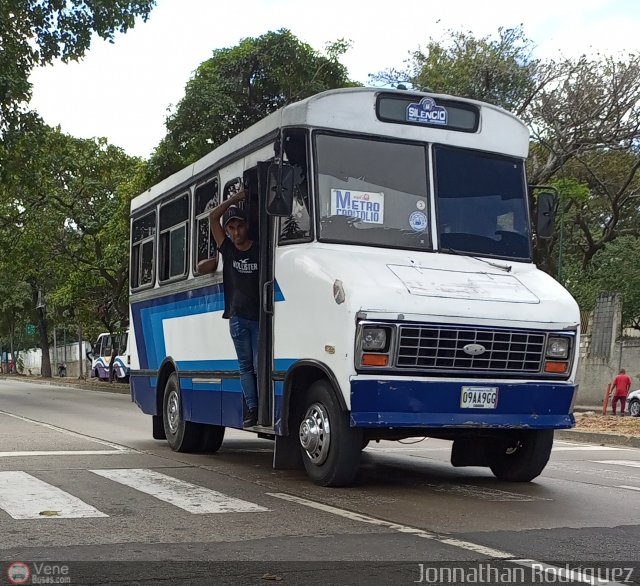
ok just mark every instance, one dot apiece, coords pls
pixel 143 231
pixel 174 222
pixel 207 197
pixel 232 187
pixel 106 346
pixel 297 226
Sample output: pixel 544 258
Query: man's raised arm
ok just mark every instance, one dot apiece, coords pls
pixel 216 213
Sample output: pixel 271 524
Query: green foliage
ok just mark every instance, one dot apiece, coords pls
pixel 237 87
pixel 498 70
pixel 614 268
pixel 35 32
pixel 66 228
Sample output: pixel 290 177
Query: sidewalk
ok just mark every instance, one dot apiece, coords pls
pixel 570 435
pixel 598 438
pixel 55 381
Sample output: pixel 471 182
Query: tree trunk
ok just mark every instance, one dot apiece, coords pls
pixel 45 366
pixel 13 356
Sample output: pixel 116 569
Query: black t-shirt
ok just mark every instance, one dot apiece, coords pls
pixel 241 281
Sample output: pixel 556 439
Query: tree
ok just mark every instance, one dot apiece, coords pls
pixel 585 124
pixel 66 226
pixel 15 303
pixel 586 106
pixel 614 268
pixel 33 33
pixel 498 70
pixel 240 85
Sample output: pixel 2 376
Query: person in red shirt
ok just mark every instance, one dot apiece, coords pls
pixel 620 387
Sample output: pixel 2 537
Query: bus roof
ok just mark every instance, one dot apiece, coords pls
pixel 500 131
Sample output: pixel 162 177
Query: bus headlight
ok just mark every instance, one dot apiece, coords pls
pixel 558 348
pixel 374 339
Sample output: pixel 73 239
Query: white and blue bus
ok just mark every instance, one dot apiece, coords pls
pixel 398 293
pixel 102 354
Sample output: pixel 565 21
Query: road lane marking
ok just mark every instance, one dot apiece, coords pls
pixel 586 448
pixel 189 497
pixel 630 463
pixel 353 516
pixel 66 431
pixel 23 496
pixel 556 572
pixel 65 453
pixel 629 487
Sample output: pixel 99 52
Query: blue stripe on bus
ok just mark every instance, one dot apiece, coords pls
pixel 216 403
pixel 383 404
pixel 148 317
pixel 185 366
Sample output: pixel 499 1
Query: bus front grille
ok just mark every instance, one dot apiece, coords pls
pixel 446 348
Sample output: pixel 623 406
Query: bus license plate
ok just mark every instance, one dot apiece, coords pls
pixel 479 397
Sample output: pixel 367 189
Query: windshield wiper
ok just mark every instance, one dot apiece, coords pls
pixel 506 268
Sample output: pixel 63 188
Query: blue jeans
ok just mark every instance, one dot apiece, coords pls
pixel 244 333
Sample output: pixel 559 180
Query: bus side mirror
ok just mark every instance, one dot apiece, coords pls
pixel 544 222
pixel 280 189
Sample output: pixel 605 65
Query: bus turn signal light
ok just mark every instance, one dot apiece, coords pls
pixel 555 367
pixel 375 360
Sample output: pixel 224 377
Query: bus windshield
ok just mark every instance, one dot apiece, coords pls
pixel 481 204
pixel 372 192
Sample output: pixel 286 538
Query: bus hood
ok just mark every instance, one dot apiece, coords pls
pixel 461 284
pixel 428 286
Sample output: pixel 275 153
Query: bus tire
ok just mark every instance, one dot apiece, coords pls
pixel 183 436
pixel 211 440
pixel 521 457
pixel 331 448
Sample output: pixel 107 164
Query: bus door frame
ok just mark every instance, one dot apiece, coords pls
pixel 266 246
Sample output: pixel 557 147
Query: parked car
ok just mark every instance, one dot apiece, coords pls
pixel 633 403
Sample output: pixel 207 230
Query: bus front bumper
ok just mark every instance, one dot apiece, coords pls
pixel 393 403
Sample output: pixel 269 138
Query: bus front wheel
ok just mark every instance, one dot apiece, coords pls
pixel 183 436
pixel 331 448
pixel 521 456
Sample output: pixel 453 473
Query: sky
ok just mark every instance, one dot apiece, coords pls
pixel 123 91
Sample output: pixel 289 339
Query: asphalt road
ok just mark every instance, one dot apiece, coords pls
pixel 84 488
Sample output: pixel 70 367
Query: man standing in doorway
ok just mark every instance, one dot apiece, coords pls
pixel 621 386
pixel 241 287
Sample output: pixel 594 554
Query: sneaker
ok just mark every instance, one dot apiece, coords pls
pixel 251 418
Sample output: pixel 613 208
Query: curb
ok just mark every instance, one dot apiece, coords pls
pixel 600 438
pixel 119 388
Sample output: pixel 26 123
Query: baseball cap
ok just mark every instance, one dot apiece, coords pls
pixel 233 213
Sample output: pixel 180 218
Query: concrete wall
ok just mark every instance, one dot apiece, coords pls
pixel 32 360
pixel 603 352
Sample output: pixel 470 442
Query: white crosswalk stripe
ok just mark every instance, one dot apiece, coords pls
pixel 187 496
pixel 23 496
pixel 630 463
